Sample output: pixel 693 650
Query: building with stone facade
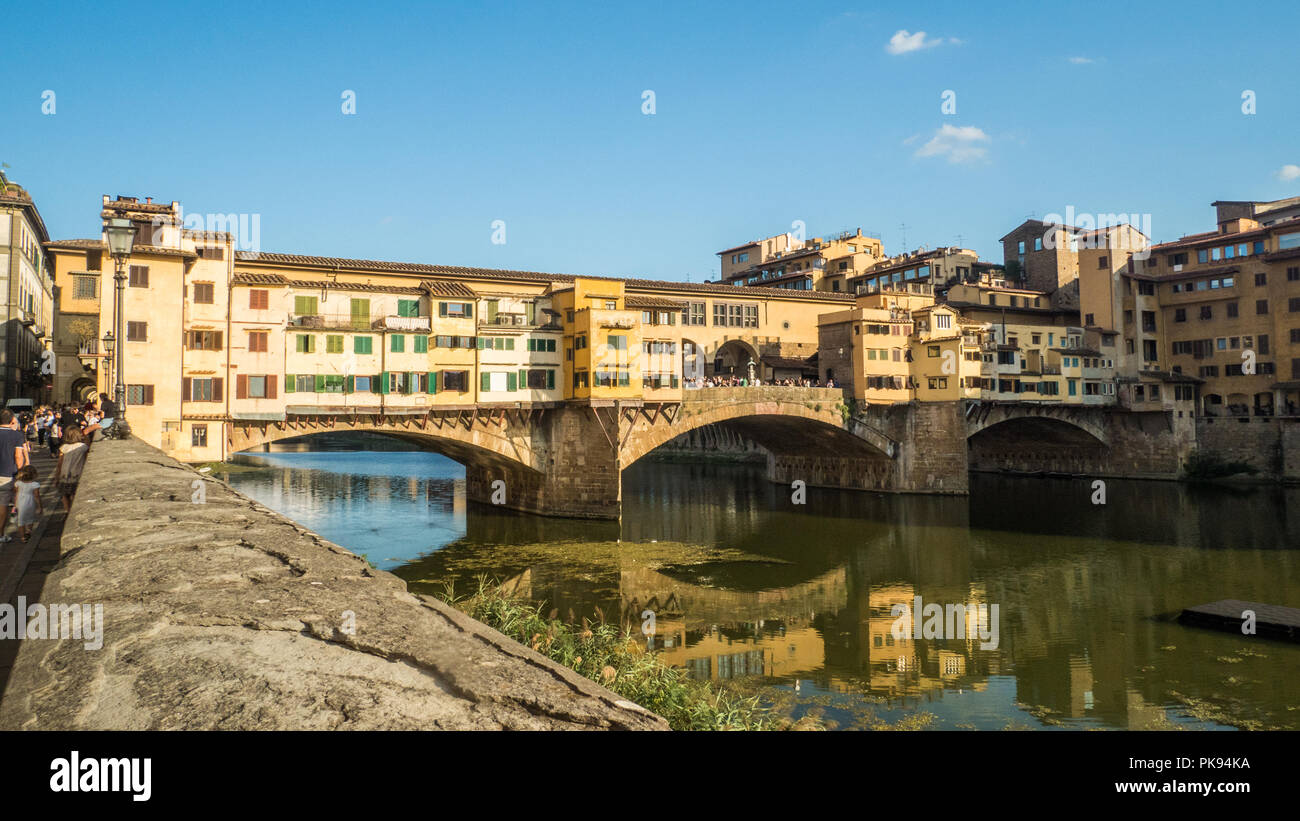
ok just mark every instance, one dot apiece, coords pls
pixel 27 316
pixel 819 264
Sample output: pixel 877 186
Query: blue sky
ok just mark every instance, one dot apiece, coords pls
pixel 765 113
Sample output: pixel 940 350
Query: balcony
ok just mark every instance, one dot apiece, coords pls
pixel 416 324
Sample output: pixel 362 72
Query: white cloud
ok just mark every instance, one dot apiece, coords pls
pixel 959 144
pixel 1082 61
pixel 1289 172
pixel 904 42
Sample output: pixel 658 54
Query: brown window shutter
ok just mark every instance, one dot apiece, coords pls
pixel 148 394
pixel 216 390
pixel 186 392
pixel 241 386
pixel 270 385
pixel 218 346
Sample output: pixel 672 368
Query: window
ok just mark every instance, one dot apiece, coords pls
pixel 305 343
pixel 200 390
pixel 456 309
pixel 539 379
pixel 457 381
pixel 199 436
pixel 87 287
pixel 408 307
pixel 1293 274
pixel 257 341
pixel 203 340
pixel 139 394
pixel 139 276
pixel 1293 304
pixel 302 383
pixel 258 299
pixel 397 343
pixel 304 305
pixel 1020 247
pixel 360 313
pixel 1180 315
pixel 333 343
pixel 1038 243
pixel 137 332
pixel 1261 306
pixel 617 342
pixel 248 386
pixel 693 314
pixel 420 344
pixel 1232 310
pixel 541 345
pixel 1088 319
pixel 1287 241
pixel 1207 312
pixel 203 293
pixel 363 345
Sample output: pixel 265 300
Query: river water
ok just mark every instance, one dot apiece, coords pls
pixel 801 604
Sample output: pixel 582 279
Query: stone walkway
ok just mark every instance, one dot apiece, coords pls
pixel 23 565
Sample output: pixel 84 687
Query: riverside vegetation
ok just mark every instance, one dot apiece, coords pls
pixel 613 657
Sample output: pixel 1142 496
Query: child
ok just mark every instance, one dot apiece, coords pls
pixel 72 458
pixel 55 435
pixel 28 500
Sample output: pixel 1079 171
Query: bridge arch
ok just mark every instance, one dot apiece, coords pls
pixel 499 439
pixel 1056 424
pixel 807 422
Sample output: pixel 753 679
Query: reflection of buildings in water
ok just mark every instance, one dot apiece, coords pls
pixel 900 666
pixel 722 634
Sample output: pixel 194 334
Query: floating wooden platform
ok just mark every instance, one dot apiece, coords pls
pixel 1272 621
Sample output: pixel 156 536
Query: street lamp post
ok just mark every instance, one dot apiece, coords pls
pixel 121 237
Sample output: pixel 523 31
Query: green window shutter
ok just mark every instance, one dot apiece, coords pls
pixel 304 305
pixel 492 310
pixel 469 310
pixel 398 344
pixel 431 382
pixel 442 309
pixel 500 343
pixel 510 343
pixel 290 384
pixel 512 381
pixel 383 382
pixel 421 344
pixel 523 379
pixel 411 379
pixel 550 380
pixel 320 383
pixel 349 384
pixel 408 307
pixel 532 344
pixel 360 313
pixel 485 380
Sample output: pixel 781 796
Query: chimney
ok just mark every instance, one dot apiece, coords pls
pixel 148 200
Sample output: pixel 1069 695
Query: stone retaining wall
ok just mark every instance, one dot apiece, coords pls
pixel 226 615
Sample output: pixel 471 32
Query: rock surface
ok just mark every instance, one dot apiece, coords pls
pixel 226 615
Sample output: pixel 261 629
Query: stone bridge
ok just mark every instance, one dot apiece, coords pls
pixel 566 459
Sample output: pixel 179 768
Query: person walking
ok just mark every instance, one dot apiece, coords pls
pixel 72 458
pixel 27 490
pixel 13 456
pixel 54 436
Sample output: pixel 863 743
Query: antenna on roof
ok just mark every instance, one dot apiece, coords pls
pixel 902 226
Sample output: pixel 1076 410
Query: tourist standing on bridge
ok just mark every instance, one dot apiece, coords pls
pixel 13 455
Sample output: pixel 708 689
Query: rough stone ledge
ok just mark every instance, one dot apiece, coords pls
pixel 226 615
